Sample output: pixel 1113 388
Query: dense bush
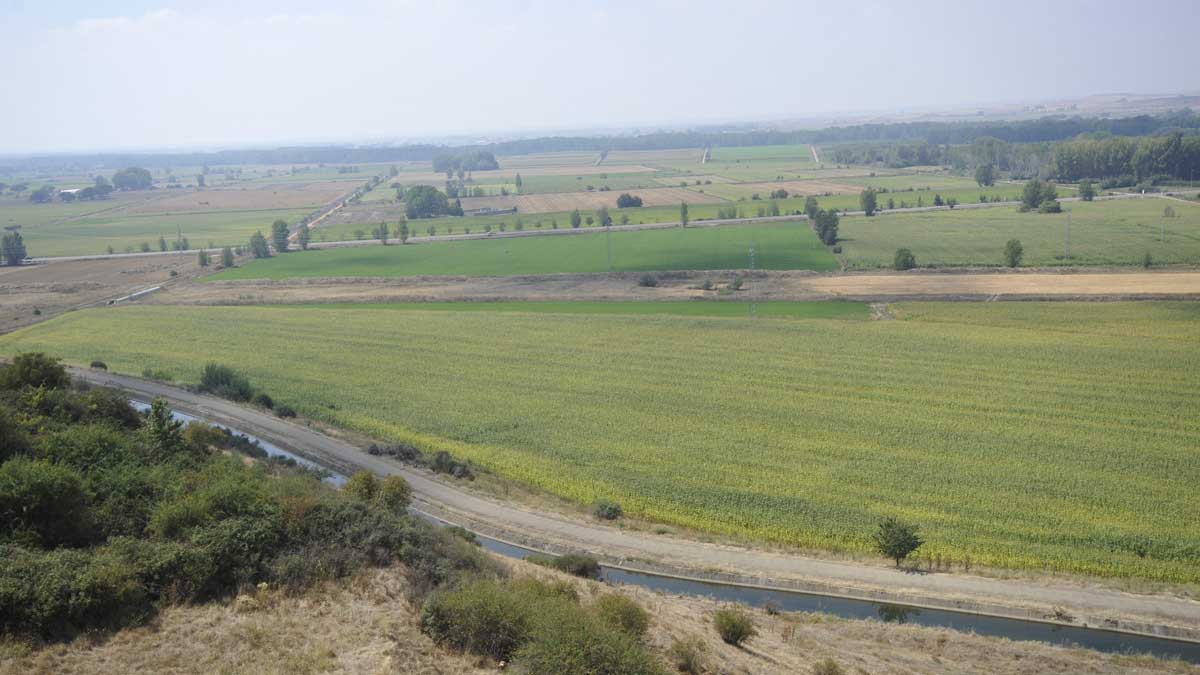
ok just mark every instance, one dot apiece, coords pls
pixel 904 259
pixel 482 617
pixel 99 365
pixel 262 399
pixel 285 411
pixel 567 641
pixel 734 626
pixel 224 382
pixel 575 564
pixel 538 625
pixel 106 515
pixel 606 509
pixel 34 369
pixel 619 611
pixel 688 656
pixel 648 281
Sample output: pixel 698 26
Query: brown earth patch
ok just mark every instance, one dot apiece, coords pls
pixel 53 288
pixel 249 197
pixel 797 285
pixel 566 201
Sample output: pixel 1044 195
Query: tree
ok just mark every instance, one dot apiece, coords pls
pixel 103 187
pixel 1087 191
pixel 42 195
pixel 626 200
pixel 575 219
pixel 279 235
pixel 165 432
pixel 1036 192
pixel 12 248
pixel 518 182
pixel 867 200
pixel 904 259
pixel 827 226
pixel 381 233
pixel 199 180
pixel 1013 252
pixel 227 257
pixel 937 200
pixel 425 201
pixel 683 214
pixel 896 540
pixel 258 245
pixel 810 208
pixel 162 243
pixel 403 230
pixel 602 216
pixel 203 257
pixel 133 178
pixel 303 236
pixel 985 175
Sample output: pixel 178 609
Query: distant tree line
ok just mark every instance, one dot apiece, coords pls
pixel 932 135
pixel 473 160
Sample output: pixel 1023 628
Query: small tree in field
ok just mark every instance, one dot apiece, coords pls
pixel 810 208
pixel 985 175
pixel 403 231
pixel 227 257
pixel 279 235
pixel 1087 191
pixel 258 245
pixel 203 258
pixel 1013 252
pixel 303 237
pixel 576 219
pixel 896 540
pixel 381 233
pixel 12 248
pixel 867 200
pixel 904 259
pixel 683 214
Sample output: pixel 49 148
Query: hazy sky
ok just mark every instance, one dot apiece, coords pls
pixel 108 74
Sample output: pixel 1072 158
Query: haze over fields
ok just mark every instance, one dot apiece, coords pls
pixel 166 73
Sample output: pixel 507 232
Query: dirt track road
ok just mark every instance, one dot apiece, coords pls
pixel 1093 606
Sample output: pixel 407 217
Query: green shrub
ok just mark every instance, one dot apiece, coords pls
pixel 43 504
pixel 568 641
pixel 734 626
pixel 222 381
pixel 575 564
pixel 285 411
pixel 620 612
pixel 689 655
pixel 904 259
pixel 363 486
pixel 262 399
pixel 34 369
pixel 648 280
pixel 481 616
pixel 827 667
pixel 99 365
pixel 395 493
pixel 606 509
pixel 13 439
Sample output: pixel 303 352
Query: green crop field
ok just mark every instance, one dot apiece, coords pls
pixel 1060 437
pixel 776 246
pixel 92 234
pixel 1104 232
